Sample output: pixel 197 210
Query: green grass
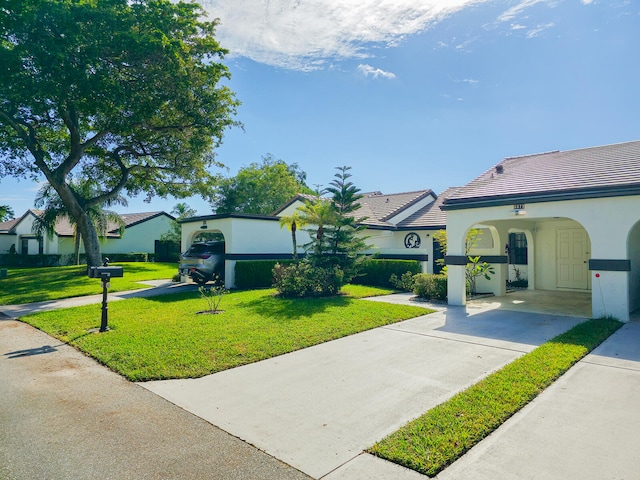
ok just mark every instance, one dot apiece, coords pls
pixel 163 337
pixel 439 437
pixel 363 291
pixel 27 285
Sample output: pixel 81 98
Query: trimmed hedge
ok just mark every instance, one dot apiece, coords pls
pixel 33 261
pixel 256 273
pixel 376 272
pixel 127 257
pixel 430 286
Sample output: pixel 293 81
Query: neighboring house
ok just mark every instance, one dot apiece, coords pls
pixel 139 235
pixel 577 219
pixel 399 226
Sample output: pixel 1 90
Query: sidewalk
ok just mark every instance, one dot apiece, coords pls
pixel 63 416
pixel 317 409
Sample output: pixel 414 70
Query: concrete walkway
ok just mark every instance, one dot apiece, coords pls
pixel 316 410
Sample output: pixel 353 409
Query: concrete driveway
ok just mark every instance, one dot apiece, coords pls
pixel 318 409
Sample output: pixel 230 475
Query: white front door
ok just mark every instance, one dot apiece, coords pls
pixel 573 257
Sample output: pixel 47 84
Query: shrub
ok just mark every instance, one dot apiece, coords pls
pixel 405 282
pixel 126 257
pixel 304 280
pixel 256 273
pixel 378 272
pixel 430 286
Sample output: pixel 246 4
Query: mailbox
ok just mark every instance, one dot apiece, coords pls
pixel 112 272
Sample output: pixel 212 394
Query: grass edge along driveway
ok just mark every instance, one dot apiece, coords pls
pixel 163 337
pixel 435 440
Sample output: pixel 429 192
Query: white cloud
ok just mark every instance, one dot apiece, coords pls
pixel 517 26
pixel 307 35
pixel 471 81
pixel 587 2
pixel 535 31
pixel 518 9
pixel 368 70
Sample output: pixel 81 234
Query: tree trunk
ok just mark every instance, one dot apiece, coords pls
pixel 76 251
pixel 293 239
pixel 90 240
pixel 84 225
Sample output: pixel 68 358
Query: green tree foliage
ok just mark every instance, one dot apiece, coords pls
pixel 124 92
pixel 334 252
pixel 293 222
pixel 474 268
pixel 179 211
pixel 259 188
pixel 6 213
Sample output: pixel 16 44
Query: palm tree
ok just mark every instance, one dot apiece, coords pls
pixel 6 212
pixel 292 222
pixel 321 215
pixel 55 210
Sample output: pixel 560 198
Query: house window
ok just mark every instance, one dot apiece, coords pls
pixel 40 246
pixel 517 248
pixel 24 246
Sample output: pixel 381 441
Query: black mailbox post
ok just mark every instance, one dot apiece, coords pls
pixel 105 273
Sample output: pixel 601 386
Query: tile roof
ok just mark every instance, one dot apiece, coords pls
pixel 609 167
pixel 381 208
pixel 431 216
pixel 9 224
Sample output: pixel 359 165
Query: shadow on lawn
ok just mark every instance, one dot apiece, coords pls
pixel 290 308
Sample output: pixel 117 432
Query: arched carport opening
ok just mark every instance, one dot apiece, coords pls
pixel 557 252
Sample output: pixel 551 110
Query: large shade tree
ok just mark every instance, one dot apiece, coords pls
pixel 54 210
pixel 260 188
pixel 128 93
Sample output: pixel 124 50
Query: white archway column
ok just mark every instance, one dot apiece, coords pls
pixel 456 285
pixel 455 259
pixel 609 262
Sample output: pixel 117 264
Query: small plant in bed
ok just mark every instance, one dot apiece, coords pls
pixel 213 296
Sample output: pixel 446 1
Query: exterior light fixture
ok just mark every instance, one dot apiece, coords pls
pixel 204 225
pixel 518 210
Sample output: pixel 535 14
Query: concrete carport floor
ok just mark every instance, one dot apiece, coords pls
pixel 317 409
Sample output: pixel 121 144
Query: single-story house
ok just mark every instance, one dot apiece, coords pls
pixel 139 235
pixel 399 226
pixel 577 214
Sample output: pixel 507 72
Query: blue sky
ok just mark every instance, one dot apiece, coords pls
pixel 416 94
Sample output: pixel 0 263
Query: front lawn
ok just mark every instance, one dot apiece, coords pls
pixel 163 337
pixel 443 434
pixel 27 285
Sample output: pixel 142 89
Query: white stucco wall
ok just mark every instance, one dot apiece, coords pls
pixel 6 241
pixel 138 238
pixel 607 222
pixel 634 275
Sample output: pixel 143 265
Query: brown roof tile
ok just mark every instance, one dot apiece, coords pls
pixel 379 208
pixel 431 216
pixel 607 166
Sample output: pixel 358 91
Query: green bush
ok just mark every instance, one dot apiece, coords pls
pixel 377 273
pixel 304 280
pixel 126 257
pixel 430 286
pixel 14 260
pixel 256 273
pixel 405 282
